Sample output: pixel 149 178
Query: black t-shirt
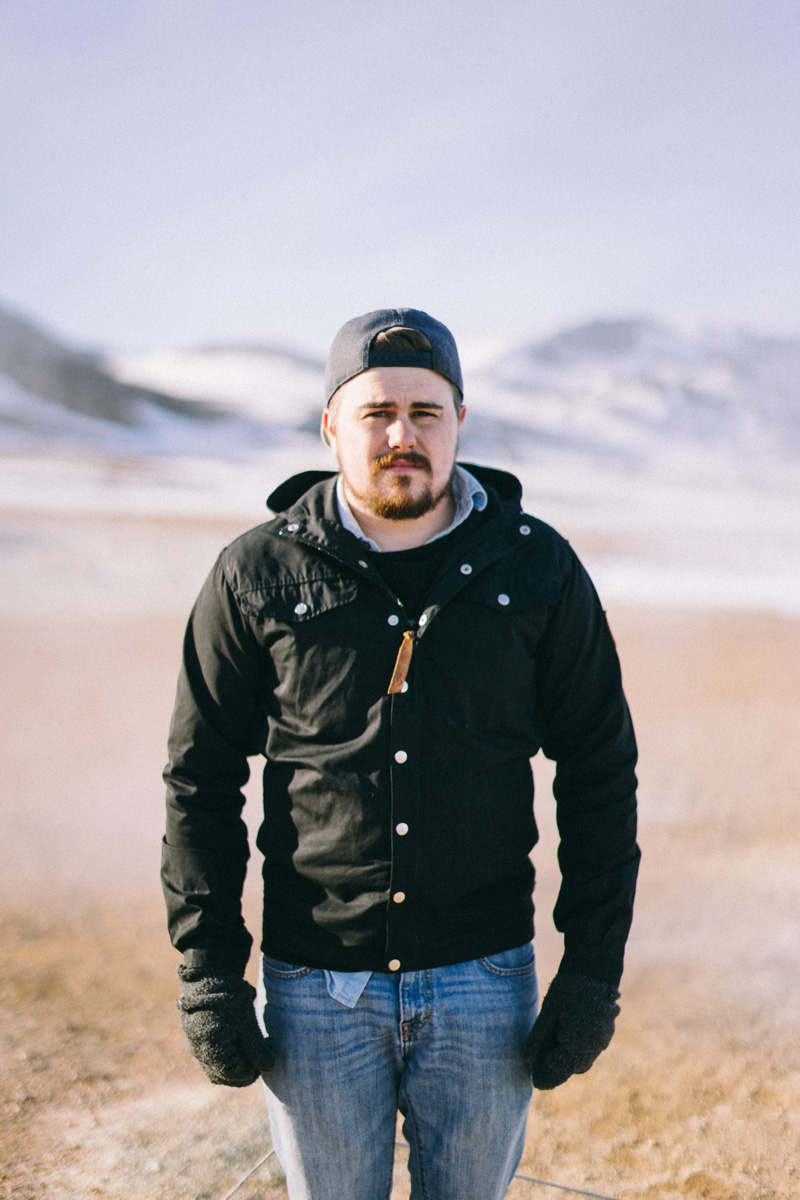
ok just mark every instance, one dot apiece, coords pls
pixel 410 573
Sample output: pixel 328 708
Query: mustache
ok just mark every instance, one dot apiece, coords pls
pixel 410 456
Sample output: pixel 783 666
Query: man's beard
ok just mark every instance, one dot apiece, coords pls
pixel 399 505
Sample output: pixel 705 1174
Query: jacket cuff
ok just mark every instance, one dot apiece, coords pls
pixel 582 957
pixel 217 958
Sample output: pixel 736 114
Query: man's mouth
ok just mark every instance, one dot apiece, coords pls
pixel 400 462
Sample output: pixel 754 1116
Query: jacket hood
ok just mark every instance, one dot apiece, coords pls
pixel 503 483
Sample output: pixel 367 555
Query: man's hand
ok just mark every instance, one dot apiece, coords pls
pixel 219 1021
pixel 575 1024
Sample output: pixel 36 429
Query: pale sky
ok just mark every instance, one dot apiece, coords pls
pixel 182 171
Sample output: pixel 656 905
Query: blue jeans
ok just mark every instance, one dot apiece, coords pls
pixel 444 1047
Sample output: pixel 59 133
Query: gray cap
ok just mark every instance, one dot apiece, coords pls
pixel 352 352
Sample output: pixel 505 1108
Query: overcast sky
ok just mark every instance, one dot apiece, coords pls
pixel 179 171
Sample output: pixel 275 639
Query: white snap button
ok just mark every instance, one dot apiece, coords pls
pixel 361 563
pixel 423 619
pixel 525 529
pixel 394 964
pixel 401 756
pixel 466 569
pixel 394 619
pixel 301 608
pixel 404 688
pixel 293 528
pixel 399 897
pixel 401 830
pixel 503 599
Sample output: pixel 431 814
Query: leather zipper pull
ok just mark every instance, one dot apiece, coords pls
pixel 402 664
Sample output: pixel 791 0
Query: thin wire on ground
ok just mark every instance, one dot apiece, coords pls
pixel 245 1178
pixel 562 1187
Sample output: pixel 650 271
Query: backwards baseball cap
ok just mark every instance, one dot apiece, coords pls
pixel 353 352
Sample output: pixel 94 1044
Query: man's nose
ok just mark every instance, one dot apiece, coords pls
pixel 401 434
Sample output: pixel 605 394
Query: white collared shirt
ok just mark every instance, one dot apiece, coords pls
pixel 467 493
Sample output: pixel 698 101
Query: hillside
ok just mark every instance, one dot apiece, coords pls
pixel 646 395
pixel 622 395
pixel 36 364
pixel 672 462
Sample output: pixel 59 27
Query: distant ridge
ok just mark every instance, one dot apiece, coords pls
pixel 602 340
pixel 624 393
pixel 46 368
pixel 637 387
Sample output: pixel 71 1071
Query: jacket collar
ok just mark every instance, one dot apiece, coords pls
pixel 308 513
pixel 467 493
pixel 507 487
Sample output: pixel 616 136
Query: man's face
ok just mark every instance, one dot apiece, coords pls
pixel 394 431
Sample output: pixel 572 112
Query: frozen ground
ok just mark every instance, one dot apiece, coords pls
pixel 672 461
pixel 646 538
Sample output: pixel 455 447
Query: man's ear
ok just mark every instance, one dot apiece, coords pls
pixel 462 412
pixel 325 430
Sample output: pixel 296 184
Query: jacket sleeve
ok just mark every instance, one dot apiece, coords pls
pixel 589 734
pixel 216 725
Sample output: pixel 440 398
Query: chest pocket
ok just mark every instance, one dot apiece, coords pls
pixel 503 616
pixel 297 601
pixel 308 629
pixel 515 588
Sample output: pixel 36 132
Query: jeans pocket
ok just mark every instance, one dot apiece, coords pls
pixel 283 970
pixel 518 961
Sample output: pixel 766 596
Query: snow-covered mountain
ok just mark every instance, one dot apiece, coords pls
pixel 622 394
pixel 41 366
pixel 628 394
pixel 674 460
pixel 267 383
pixel 639 392
pixel 52 395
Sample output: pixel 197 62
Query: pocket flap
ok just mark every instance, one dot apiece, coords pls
pixel 298 599
pixel 513 590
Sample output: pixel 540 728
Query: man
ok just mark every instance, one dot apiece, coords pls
pixel 398 643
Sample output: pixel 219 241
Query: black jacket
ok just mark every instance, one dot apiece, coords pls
pixel 288 654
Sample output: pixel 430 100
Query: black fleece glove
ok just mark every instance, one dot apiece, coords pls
pixel 219 1021
pixel 575 1024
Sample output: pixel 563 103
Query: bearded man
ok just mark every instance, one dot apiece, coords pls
pixel 398 643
